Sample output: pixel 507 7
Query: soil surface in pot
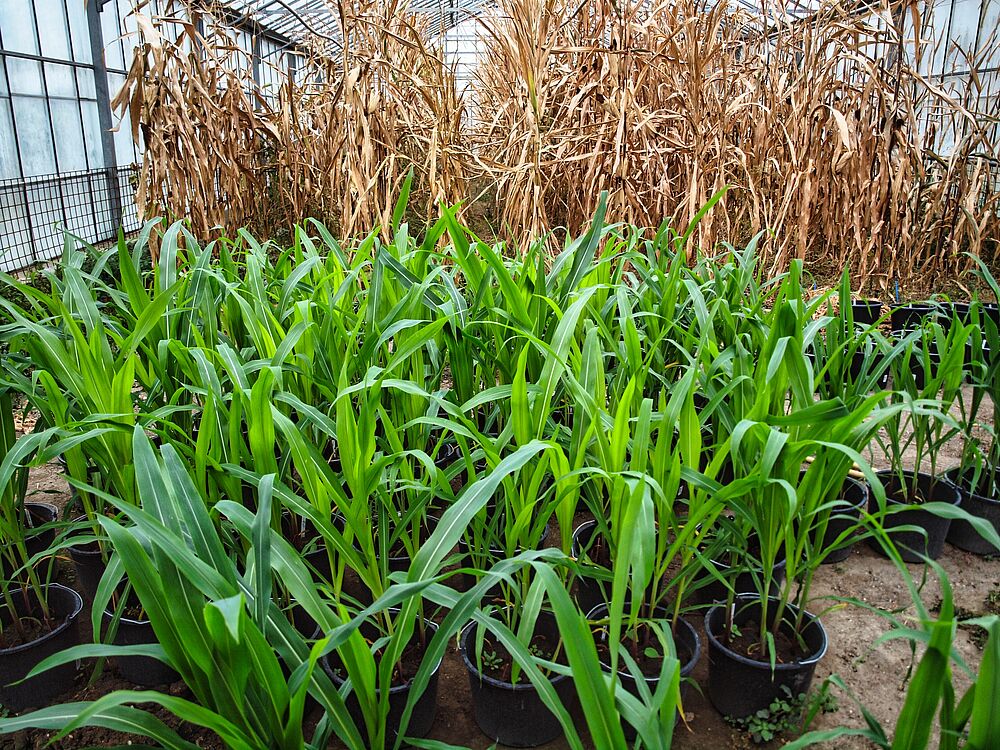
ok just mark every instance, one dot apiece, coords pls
pixel 498 663
pixel 30 630
pixel 404 671
pixel 646 651
pixel 746 643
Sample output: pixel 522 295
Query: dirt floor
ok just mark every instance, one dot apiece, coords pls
pixel 876 675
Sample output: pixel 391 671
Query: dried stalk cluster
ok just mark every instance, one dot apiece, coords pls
pixel 819 128
pixel 334 141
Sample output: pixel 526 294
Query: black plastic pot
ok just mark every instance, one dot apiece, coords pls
pixel 424 710
pixel 866 311
pixel 511 714
pixel 140 670
pixel 961 533
pixel 36 542
pixel 913 545
pixel 855 499
pixel 470 579
pixel 739 686
pixel 590 590
pixel 910 316
pixel 65 606
pixel 687 644
pixel 714 591
pixel 90 564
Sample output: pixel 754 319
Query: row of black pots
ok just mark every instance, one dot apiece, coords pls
pixel 514 714
pixel 907 317
pixel 929 541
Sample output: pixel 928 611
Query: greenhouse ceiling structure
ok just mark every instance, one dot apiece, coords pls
pixel 64 163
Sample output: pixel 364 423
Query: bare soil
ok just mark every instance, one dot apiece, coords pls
pixel 842 594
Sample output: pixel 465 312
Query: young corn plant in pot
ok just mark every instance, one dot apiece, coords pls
pixel 510 707
pixel 78 368
pixel 249 669
pixel 635 554
pixel 977 476
pixel 37 616
pixel 927 383
pixel 761 641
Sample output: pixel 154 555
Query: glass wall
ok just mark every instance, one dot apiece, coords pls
pixel 64 163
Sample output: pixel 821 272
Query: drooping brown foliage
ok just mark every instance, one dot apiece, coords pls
pixel 828 138
pixel 817 127
pixel 334 141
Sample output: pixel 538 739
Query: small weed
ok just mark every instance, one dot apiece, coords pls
pixel 786 714
pixel 492 660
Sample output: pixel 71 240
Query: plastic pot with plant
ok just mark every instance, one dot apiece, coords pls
pixel 38 617
pixel 763 640
pixel 978 474
pixel 927 382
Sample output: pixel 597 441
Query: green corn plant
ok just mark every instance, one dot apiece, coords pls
pixel 221 629
pixel 927 378
pixel 972 722
pixel 778 427
pixel 981 454
pixel 19 576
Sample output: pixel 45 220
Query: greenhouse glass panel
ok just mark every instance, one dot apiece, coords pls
pixel 55 29
pixel 25 76
pixel 8 147
pixel 92 133
pixel 59 80
pixel 85 83
pixel 32 121
pixel 79 31
pixel 17 25
pixel 70 147
pixel 965 29
pixel 112 35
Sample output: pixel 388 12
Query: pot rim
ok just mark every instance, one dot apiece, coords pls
pixel 690 663
pixel 42 504
pixel 941 479
pixel 574 548
pixel 109 615
pixel 394 689
pixel 747 661
pixel 497 552
pixel 956 472
pixel 68 620
pixel 492 682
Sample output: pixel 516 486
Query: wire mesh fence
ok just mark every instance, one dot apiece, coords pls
pixel 91 204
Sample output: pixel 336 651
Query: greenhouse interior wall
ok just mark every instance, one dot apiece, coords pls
pixel 65 163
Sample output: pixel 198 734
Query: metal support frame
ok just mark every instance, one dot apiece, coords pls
pixel 104 115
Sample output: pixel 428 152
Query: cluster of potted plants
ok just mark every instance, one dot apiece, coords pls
pixel 297 473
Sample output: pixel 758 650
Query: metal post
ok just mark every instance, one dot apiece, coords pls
pixel 104 108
